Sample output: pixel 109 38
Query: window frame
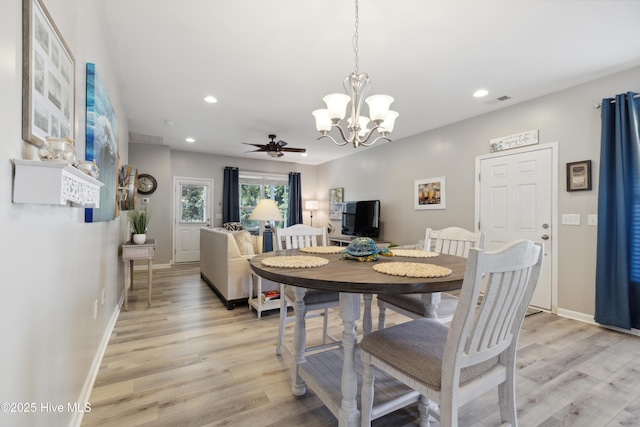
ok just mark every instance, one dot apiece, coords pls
pixel 267 183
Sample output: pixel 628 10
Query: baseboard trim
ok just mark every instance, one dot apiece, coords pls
pixel 85 394
pixel 586 318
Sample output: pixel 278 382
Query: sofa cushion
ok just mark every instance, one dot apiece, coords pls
pixel 244 242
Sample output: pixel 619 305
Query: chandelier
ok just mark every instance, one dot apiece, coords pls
pixel 356 87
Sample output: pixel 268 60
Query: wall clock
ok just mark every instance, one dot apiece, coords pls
pixel 146 184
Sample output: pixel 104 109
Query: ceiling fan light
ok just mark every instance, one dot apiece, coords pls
pixel 323 122
pixel 337 105
pixel 379 107
pixel 387 125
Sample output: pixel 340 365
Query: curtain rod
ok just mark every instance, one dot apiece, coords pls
pixel 613 101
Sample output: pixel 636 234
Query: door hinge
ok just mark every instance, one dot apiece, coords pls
pixel 478 225
pixel 478 177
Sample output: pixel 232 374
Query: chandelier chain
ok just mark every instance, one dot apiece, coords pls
pixel 355 38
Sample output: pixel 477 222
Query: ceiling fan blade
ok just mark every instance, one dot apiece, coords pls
pixel 260 147
pixel 281 143
pixel 280 154
pixel 295 150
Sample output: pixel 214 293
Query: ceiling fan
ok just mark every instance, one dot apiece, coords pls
pixel 275 149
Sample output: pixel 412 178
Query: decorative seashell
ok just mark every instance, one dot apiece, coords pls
pixel 89 168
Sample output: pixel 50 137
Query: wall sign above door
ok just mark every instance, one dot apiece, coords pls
pixel 513 141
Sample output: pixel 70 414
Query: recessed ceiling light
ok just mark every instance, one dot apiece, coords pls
pixel 210 99
pixel 304 154
pixel 480 93
pixel 190 139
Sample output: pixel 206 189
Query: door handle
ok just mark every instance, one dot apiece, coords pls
pixel 545 237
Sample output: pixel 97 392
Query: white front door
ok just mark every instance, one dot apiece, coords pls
pixel 192 200
pixel 516 197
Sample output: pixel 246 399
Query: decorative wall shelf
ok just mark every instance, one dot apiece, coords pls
pixel 54 183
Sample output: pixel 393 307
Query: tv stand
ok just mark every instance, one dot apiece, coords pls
pixel 342 240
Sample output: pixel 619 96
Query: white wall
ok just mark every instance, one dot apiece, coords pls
pixel 53 265
pixel 388 172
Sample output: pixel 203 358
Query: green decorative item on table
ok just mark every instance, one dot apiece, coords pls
pixel 139 219
pixel 363 249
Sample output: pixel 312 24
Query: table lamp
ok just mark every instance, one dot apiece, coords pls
pixel 311 205
pixel 267 211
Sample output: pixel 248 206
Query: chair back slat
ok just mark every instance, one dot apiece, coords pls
pixel 300 236
pixel 483 329
pixel 453 241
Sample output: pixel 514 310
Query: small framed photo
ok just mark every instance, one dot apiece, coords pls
pixel 579 176
pixel 336 197
pixel 429 193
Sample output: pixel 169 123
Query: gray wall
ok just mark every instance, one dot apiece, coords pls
pixel 387 173
pixel 155 160
pixel 164 164
pixel 53 265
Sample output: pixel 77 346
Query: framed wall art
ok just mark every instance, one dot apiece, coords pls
pixel 336 198
pixel 102 145
pixel 429 193
pixel 48 89
pixel 579 176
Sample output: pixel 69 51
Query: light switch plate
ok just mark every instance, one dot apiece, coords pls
pixel 592 219
pixel 571 219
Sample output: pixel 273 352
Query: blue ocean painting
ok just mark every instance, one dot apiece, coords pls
pixel 102 145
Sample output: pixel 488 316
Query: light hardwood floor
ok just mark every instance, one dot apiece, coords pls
pixel 188 361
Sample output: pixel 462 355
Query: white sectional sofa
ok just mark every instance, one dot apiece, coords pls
pixel 224 263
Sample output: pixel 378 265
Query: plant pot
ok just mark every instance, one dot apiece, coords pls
pixel 139 239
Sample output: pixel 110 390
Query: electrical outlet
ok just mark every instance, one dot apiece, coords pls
pixel 104 294
pixel 571 219
pixel 592 219
pixel 95 309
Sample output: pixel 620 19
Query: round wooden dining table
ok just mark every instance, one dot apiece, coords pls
pixel 351 279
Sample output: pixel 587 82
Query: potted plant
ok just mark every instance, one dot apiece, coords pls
pixel 139 219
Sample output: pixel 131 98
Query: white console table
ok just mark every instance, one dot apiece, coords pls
pixel 130 253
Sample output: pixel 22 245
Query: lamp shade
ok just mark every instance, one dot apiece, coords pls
pixel 378 107
pixel 337 105
pixel 311 205
pixel 387 125
pixel 323 122
pixel 267 210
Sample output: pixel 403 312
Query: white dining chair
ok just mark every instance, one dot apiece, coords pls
pixel 296 237
pixel 452 241
pixel 452 365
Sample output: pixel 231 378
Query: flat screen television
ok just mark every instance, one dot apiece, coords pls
pixel 361 218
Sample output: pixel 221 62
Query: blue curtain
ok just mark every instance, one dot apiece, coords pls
pixel 295 200
pixel 230 196
pixel 618 253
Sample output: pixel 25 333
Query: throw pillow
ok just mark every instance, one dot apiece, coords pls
pixel 244 242
pixel 232 226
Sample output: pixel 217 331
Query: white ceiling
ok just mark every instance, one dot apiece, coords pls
pixel 269 63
